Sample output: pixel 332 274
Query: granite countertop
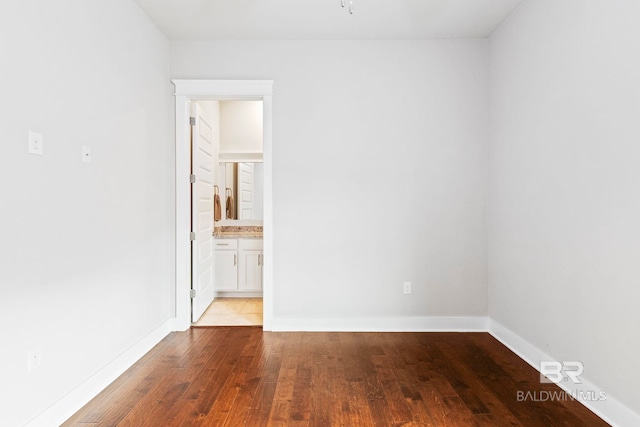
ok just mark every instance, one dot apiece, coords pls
pixel 234 231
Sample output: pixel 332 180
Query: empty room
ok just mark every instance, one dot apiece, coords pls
pixel 320 213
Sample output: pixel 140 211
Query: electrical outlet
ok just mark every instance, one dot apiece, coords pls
pixel 407 288
pixel 36 142
pixel 34 359
pixel 86 154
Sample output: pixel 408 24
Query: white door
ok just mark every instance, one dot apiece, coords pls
pixel 245 188
pixel 201 215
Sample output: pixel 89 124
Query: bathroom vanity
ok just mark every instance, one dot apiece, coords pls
pixel 238 262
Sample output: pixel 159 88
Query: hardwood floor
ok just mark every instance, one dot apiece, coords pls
pixel 235 376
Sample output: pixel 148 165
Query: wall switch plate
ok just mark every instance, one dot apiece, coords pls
pixel 36 142
pixel 34 359
pixel 407 288
pixel 86 154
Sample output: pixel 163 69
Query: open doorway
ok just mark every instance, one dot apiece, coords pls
pixel 189 92
pixel 227 203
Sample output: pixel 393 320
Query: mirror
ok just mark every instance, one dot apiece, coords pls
pixel 241 190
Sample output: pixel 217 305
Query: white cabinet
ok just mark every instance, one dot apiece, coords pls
pixel 238 266
pixel 250 265
pixel 225 265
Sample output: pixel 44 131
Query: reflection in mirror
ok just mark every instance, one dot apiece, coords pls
pixel 243 190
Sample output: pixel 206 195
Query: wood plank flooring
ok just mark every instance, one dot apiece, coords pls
pixel 242 376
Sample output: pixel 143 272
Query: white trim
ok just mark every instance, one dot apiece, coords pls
pixel 227 89
pixel 185 91
pixel 380 324
pixel 236 294
pixel 183 220
pixel 267 214
pixel 610 410
pixel 71 403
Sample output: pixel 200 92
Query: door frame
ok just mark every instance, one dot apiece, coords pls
pixel 187 90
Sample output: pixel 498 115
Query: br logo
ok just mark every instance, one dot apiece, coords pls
pixel 556 372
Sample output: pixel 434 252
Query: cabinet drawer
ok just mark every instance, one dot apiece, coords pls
pixel 223 244
pixel 253 244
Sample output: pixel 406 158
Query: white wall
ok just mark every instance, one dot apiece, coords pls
pixel 564 185
pixel 241 127
pixel 86 255
pixel 343 112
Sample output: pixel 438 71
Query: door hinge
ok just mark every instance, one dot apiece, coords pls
pixel 192 236
pixel 192 179
pixel 192 121
pixel 193 293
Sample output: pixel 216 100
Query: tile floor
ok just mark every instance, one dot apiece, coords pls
pixel 232 312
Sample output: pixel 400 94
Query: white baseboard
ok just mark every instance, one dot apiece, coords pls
pixel 379 324
pixel 64 408
pixel 610 410
pixel 236 294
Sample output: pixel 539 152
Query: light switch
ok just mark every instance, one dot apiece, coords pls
pixel 36 143
pixel 86 154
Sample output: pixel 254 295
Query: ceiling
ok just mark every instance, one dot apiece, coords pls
pixel 326 19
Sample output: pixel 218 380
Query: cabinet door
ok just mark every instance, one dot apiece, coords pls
pixel 250 275
pixel 225 271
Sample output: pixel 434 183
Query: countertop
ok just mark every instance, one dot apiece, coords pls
pixel 240 231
